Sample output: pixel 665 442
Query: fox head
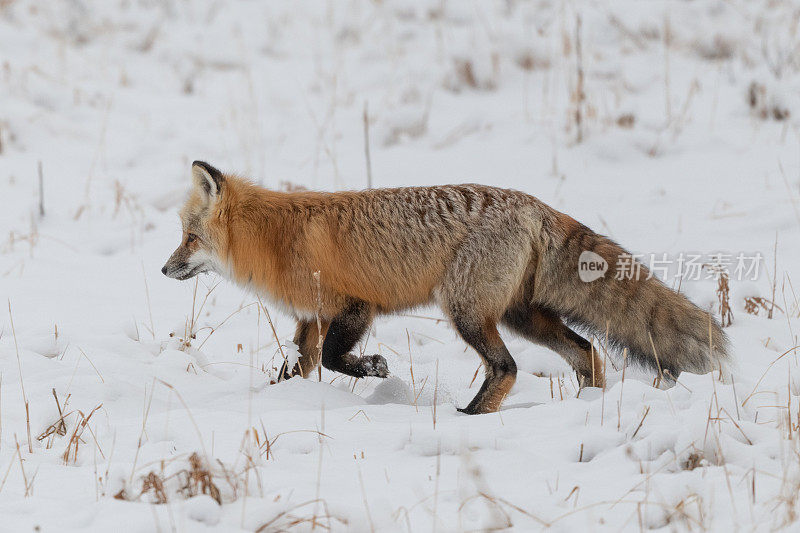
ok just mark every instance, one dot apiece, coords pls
pixel 202 228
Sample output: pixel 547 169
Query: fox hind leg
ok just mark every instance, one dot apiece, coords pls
pixel 345 330
pixel 477 287
pixel 306 338
pixel 544 327
pixel 501 370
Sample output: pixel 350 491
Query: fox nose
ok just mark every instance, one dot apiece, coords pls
pixel 164 270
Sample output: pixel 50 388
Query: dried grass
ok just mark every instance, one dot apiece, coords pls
pixel 763 106
pixel 755 305
pixel 198 479
pixel 724 299
pixel 75 440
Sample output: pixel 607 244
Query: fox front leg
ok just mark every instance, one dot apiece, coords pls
pixel 345 330
pixel 306 338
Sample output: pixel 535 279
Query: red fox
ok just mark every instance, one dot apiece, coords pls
pixel 486 256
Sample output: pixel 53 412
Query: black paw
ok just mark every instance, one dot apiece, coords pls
pixel 373 365
pixel 284 373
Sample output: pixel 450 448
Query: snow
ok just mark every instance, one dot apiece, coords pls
pixel 115 99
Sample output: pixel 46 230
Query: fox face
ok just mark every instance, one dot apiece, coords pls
pixel 198 251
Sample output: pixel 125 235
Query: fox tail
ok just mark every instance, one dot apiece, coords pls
pixel 660 327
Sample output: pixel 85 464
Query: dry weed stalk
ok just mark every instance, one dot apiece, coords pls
pixel 95 159
pixel 435 393
pixel 319 324
pixel 75 439
pixel 720 273
pixel 215 328
pixel 290 186
pixel 754 305
pixel 123 198
pixel 764 107
pixel 769 366
pixel 641 422
pixel 58 427
pixel 189 328
pixel 366 145
pixel 8 470
pixel 580 95
pixel 274 332
pixel 621 387
pixel 667 44
pixel 499 518
pixel 268 444
pixel 198 480
pixel 475 375
pixel 32 238
pixel 28 483
pixel 149 307
pixel 188 412
pixel 145 414
pixel 774 275
pixel 294 521
pixel 92 363
pixel 364 499
pixel 21 381
pixel 41 189
pixel 155 484
pixel 627 32
pixel 723 296
pixel 660 376
pixel 464 71
pixel 411 364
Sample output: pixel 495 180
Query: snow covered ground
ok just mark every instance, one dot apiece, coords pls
pixel 687 143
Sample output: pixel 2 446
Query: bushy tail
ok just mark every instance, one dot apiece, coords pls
pixel 659 327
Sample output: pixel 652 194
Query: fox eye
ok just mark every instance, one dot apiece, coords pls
pixel 191 237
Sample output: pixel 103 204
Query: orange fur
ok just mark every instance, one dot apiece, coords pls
pixel 271 242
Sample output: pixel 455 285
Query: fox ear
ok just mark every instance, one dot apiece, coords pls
pixel 207 178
